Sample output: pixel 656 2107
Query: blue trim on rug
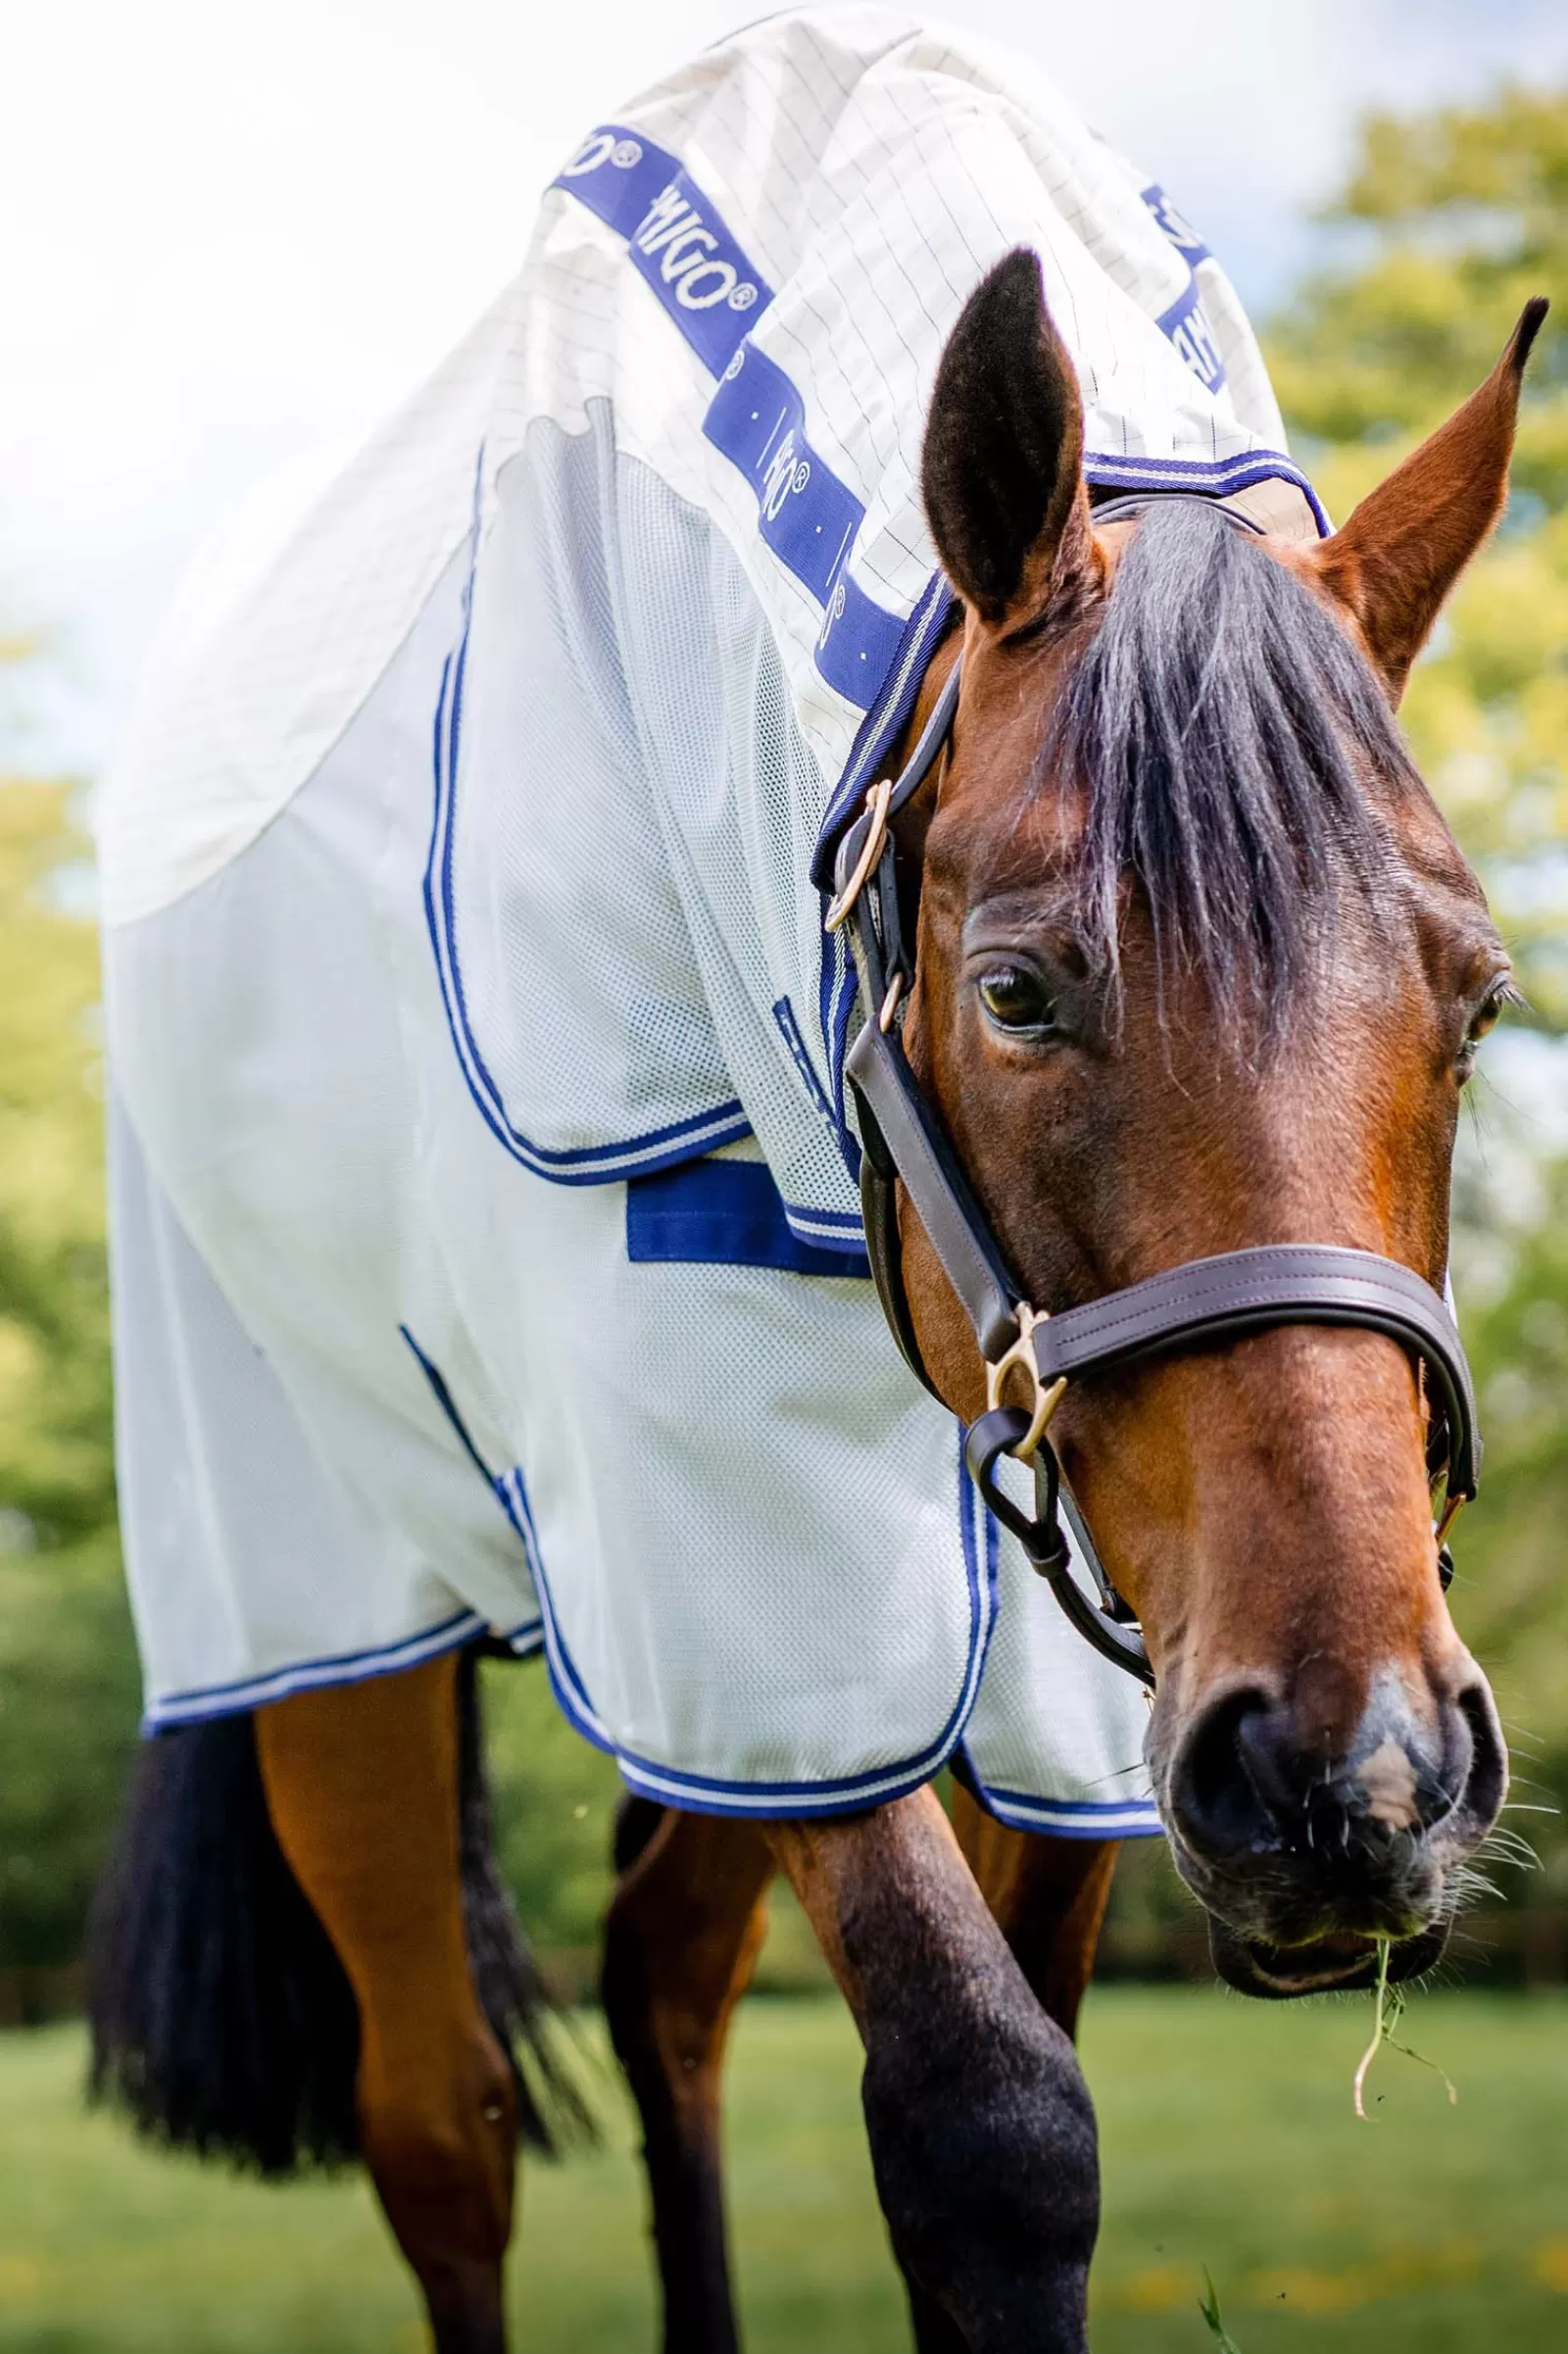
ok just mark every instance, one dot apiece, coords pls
pixel 244 1692
pixel 449 1407
pixel 878 732
pixel 882 726
pixel 789 1029
pixel 841 1230
pixel 1069 1818
pixel 526 1641
pixel 1218 477
pixel 206 1704
pixel 702 1793
pixel 728 1213
pixel 723 1123
pixel 241 1693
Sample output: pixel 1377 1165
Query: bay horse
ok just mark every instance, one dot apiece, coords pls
pixel 1197 970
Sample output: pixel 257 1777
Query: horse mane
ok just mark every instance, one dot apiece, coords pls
pixel 1221 729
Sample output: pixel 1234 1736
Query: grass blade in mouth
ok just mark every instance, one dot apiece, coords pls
pixel 1388 2011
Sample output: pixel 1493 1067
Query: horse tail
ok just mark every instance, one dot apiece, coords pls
pixel 223 2020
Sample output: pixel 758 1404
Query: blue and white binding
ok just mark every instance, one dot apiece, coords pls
pixel 487 1243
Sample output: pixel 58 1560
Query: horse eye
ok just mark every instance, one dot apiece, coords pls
pixel 1487 1018
pixel 1016 999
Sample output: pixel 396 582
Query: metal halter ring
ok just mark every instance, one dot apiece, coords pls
pixel 876 802
pixel 1045 1400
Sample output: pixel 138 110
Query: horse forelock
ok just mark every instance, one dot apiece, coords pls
pixel 1234 757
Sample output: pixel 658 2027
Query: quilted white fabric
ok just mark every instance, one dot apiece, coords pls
pixel 464 865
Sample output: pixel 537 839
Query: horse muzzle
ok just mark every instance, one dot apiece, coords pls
pixel 1305 1859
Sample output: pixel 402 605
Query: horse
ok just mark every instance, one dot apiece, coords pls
pixel 1171 975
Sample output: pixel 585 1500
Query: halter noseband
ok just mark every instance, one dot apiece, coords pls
pixel 1199 1302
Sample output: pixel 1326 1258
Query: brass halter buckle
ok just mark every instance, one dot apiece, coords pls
pixel 1046 1398
pixel 876 802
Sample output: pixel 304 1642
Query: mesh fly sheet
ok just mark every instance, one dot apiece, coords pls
pixel 486 802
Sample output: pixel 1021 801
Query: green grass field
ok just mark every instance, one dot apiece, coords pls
pixel 1229 2141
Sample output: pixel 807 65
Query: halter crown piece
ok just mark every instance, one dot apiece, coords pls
pixel 1033 1353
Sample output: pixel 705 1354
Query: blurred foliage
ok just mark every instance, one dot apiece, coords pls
pixel 56 1463
pixel 1450 221
pixel 554 1798
pixel 67 1673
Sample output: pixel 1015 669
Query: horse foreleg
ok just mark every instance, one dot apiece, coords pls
pixel 680 1941
pixel 363 1788
pixel 1047 1895
pixel 981 2129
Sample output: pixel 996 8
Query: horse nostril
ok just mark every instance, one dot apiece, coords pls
pixel 1217 1801
pixel 1478 1761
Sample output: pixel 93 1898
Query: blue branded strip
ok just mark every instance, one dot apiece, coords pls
pixel 757 418
pixel 682 250
pixel 703 1793
pixel 1176 227
pixel 618 174
pixel 680 245
pixel 859 643
pixel 1185 325
pixel 727 1213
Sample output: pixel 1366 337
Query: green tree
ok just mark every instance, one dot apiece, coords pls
pixel 1453 220
pixel 67 1673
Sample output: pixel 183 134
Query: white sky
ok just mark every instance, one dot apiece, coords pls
pixel 236 229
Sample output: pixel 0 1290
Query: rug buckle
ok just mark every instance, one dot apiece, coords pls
pixel 876 806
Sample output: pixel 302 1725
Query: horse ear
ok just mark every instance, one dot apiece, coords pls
pixel 1001 471
pixel 1403 548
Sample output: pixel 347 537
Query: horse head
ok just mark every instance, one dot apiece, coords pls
pixel 1201 968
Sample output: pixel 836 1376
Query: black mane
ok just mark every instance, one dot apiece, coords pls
pixel 1221 729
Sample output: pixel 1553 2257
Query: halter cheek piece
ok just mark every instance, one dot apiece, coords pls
pixel 1033 1353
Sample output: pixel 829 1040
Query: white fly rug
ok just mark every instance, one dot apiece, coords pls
pixel 487 1240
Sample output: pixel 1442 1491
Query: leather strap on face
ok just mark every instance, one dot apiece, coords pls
pixel 1209 1300
pixel 1194 1306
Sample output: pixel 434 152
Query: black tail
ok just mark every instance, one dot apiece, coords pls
pixel 222 2018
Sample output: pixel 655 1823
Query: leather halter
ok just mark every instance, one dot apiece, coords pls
pixel 1192 1306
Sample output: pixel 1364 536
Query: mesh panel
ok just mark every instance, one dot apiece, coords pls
pixel 634 814
pixel 746 1515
